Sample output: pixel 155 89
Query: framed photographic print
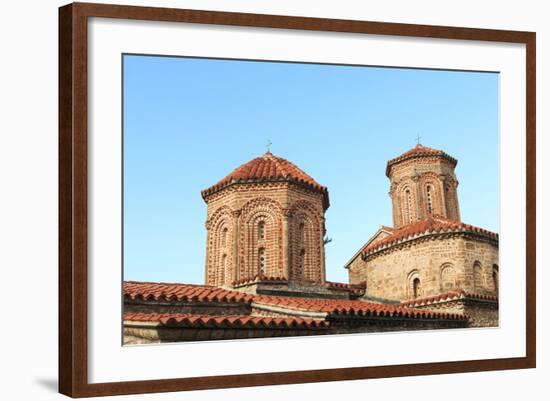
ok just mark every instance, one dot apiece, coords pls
pixel 347 199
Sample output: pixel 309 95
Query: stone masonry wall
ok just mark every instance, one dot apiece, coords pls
pixel 135 333
pixel 199 308
pixel 441 263
pixel 481 313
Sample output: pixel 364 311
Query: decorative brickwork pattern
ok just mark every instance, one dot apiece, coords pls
pixel 423 183
pixel 265 264
pixel 265 219
pixel 439 260
pixel 429 251
pixel 481 309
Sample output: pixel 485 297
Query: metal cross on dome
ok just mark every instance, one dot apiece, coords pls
pixel 268 146
pixel 418 138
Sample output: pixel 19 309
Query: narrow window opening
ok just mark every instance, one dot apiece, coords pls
pixel 300 264
pixel 417 290
pixel 224 237
pixel 261 261
pixel 408 206
pixel 261 230
pixel 429 199
pixel 302 232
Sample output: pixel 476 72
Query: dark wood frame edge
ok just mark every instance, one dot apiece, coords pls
pixel 73 199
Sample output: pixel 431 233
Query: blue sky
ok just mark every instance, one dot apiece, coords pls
pixel 189 122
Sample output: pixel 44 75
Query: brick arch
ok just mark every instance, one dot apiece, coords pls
pixel 256 211
pixel 478 276
pixel 305 250
pixel 437 197
pixel 220 212
pixel 406 204
pixel 447 277
pixel 414 290
pixel 220 225
pixel 303 204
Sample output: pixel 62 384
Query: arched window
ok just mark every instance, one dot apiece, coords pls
pixel 224 237
pixel 478 275
pixel 429 200
pixel 261 261
pixel 448 277
pixel 417 289
pixel 414 285
pixel 408 218
pixel 261 230
pixel 495 278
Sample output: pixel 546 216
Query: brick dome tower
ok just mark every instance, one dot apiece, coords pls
pixel 265 223
pixel 423 183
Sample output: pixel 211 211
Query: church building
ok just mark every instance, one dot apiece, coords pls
pixel 265 223
pixel 429 252
pixel 265 261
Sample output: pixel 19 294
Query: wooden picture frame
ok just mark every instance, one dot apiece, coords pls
pixel 73 200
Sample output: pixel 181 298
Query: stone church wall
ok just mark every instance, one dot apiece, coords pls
pixel 139 333
pixel 199 308
pixel 481 313
pixel 441 263
pixel 136 333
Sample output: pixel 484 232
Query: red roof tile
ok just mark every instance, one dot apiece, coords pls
pixel 236 321
pixel 201 293
pixel 431 225
pixel 181 292
pixel 419 151
pixel 351 307
pixel 448 296
pixel 264 169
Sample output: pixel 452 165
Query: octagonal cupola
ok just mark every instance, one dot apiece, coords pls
pixel 265 222
pixel 423 184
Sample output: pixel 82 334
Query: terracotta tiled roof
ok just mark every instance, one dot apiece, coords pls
pixel 448 296
pixel 201 293
pixel 181 292
pixel 351 307
pixel 237 321
pixel 419 151
pixel 265 169
pixel 431 225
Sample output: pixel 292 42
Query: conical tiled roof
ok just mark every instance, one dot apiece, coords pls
pixel 419 151
pixel 267 168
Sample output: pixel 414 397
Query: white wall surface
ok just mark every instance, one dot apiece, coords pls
pixel 28 198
